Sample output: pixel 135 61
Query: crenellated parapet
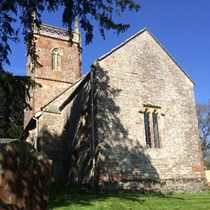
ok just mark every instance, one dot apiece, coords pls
pixel 58 33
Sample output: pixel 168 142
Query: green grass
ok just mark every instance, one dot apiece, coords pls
pixel 64 197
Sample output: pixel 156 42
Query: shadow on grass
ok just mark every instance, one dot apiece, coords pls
pixel 66 195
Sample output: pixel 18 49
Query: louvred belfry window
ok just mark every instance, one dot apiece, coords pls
pixel 56 59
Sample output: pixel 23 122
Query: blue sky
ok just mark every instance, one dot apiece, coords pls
pixel 181 26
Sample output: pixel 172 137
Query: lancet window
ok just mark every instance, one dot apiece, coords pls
pixel 56 59
pixel 151 125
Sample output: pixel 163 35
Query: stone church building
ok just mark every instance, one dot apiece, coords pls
pixel 129 123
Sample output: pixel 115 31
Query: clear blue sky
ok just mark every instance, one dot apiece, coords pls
pixel 181 26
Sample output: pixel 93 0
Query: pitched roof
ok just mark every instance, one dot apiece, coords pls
pixel 134 36
pixel 59 102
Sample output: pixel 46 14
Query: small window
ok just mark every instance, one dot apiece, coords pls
pixel 56 59
pixel 147 129
pixel 155 128
pixel 151 121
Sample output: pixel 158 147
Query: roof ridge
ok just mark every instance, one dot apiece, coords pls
pixel 170 56
pixel 135 35
pixel 122 44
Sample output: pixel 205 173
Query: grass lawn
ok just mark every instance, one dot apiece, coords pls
pixel 64 197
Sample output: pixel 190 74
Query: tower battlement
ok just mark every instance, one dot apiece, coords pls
pixel 60 64
pixel 58 33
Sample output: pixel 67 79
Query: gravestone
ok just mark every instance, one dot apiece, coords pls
pixel 24 177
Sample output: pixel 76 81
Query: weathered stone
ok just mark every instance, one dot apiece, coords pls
pixel 53 82
pixel 137 73
pixel 24 177
pixel 95 131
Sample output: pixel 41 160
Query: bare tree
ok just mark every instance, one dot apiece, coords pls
pixel 203 114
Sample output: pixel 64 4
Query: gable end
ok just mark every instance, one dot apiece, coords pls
pixel 138 34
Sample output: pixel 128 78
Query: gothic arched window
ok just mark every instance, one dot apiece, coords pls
pixel 152 118
pixel 56 59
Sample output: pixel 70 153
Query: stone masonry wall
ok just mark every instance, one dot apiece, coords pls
pixel 78 124
pixel 70 59
pixel 51 141
pixel 138 73
pixel 53 82
pixel 65 137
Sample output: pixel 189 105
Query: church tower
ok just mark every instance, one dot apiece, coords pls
pixel 60 65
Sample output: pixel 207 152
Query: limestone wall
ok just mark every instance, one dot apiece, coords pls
pixel 50 141
pixel 80 137
pixel 139 73
pixel 64 135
